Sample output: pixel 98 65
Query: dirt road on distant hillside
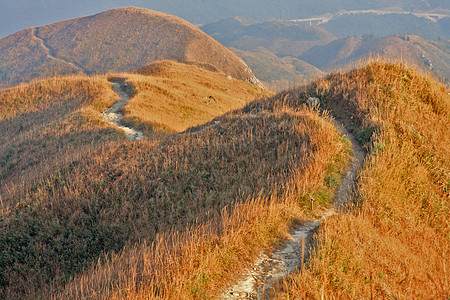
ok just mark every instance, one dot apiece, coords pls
pixel 114 115
pixel 268 270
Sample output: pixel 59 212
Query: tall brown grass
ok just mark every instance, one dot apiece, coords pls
pixel 395 243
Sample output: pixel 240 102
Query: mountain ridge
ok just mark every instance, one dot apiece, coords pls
pixel 117 40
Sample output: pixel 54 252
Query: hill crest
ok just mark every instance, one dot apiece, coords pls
pixel 117 40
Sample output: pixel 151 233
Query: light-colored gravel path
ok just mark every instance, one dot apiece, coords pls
pixel 114 115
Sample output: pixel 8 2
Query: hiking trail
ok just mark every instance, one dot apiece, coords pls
pixel 50 53
pixel 259 280
pixel 114 116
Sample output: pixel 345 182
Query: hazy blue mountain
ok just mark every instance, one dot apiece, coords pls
pixel 388 24
pixel 19 14
pixel 283 38
pixel 430 54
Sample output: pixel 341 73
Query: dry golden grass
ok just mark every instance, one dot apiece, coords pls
pixel 395 243
pixel 254 209
pixel 74 189
pixel 46 124
pixel 174 96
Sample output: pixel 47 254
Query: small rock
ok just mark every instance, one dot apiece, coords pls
pixel 313 101
pixel 229 77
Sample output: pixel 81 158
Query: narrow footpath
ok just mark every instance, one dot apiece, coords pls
pixel 50 53
pixel 259 280
pixel 114 115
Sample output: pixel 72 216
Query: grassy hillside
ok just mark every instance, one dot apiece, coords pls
pixel 276 72
pixel 48 124
pixel 395 242
pixel 113 41
pixel 434 55
pixel 54 127
pixel 173 96
pixel 233 188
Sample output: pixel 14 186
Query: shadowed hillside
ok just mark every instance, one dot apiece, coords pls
pixel 113 41
pixel 277 72
pixel 283 38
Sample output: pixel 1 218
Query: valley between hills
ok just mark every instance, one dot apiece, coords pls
pixel 155 163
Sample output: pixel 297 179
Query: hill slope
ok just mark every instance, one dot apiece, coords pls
pixel 394 243
pixel 41 121
pixel 118 194
pixel 435 55
pixel 283 38
pixel 113 41
pixel 277 72
pixel 173 97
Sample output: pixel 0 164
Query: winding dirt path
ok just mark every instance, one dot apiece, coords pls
pixel 50 53
pixel 113 115
pixel 267 271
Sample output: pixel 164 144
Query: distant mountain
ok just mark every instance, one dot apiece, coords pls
pixel 113 41
pixel 434 55
pixel 16 15
pixel 284 38
pixel 277 72
pixel 387 24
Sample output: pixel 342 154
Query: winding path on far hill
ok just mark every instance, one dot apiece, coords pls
pixel 267 271
pixel 114 116
pixel 50 53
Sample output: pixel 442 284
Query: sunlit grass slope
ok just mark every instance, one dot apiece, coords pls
pixel 172 96
pixel 395 243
